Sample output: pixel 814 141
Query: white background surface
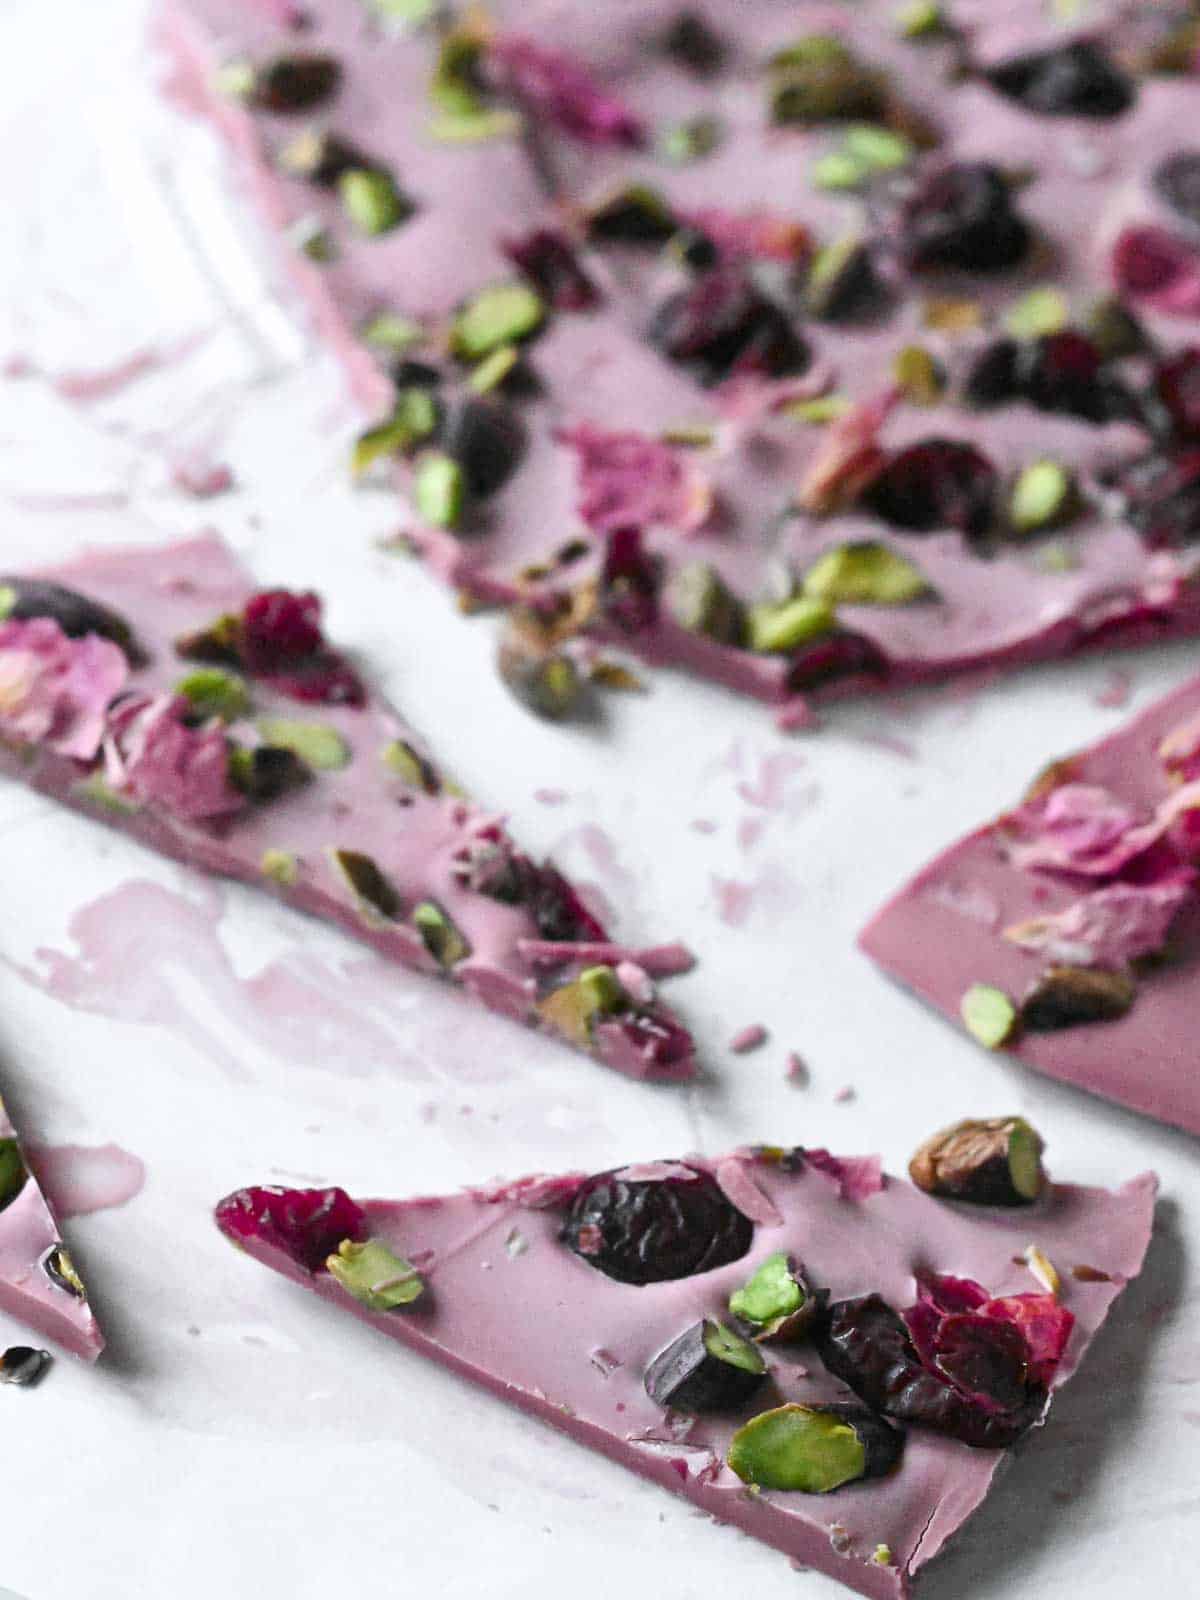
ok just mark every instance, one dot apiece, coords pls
pixel 240 1439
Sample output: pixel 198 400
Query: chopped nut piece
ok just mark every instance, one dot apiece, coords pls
pixel 989 1014
pixel 1043 496
pixel 372 201
pixel 12 1172
pixel 1042 310
pixel 375 1275
pixel 865 573
pixel 441 938
pixel 777 627
pixel 534 667
pixel 400 757
pixel 813 1449
pixel 212 692
pixel 699 600
pixel 1043 1269
pixel 997 1162
pixel 575 1007
pixel 439 490
pixel 501 314
pixel 280 866
pixel 1065 996
pixel 373 890
pixel 776 1302
pixel 918 375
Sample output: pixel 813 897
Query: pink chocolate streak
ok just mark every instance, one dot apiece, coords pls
pixel 79 1179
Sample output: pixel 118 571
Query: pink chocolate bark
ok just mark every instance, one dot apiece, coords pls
pixel 38 1281
pixel 509 1306
pixel 446 890
pixel 1094 872
pixel 596 89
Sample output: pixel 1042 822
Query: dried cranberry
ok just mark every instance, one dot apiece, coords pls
pixel 325 679
pixel 549 261
pixel 938 483
pixel 1076 79
pixel 1062 372
pixel 629 581
pixel 691 41
pixel 977 1392
pixel 1177 383
pixel 722 324
pixel 994 377
pixel 307 1224
pixel 488 439
pixel 962 217
pixel 1162 499
pixel 670 1223
pixel 1177 180
pixel 280 626
pixel 555 906
pixel 836 656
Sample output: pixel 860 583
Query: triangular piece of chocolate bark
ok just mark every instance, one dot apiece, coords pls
pixel 1067 931
pixel 832 1360
pixel 159 690
pixel 38 1281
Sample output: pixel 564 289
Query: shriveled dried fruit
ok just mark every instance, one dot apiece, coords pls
pixel 993 1162
pixel 690 40
pixel 934 484
pixel 1066 996
pixel 636 215
pixel 296 82
pixel 962 217
pixel 655 1223
pixel 842 283
pixel 76 614
pixel 487 439
pixel 23 1365
pixel 776 1302
pixel 700 600
pixel 707 1368
pixel 813 1449
pixel 267 771
pixel 722 324
pixel 550 262
pixel 1076 79
pixel 1162 498
pixel 818 79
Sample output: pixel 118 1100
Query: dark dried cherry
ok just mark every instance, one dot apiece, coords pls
pixel 721 324
pixel 629 581
pixel 934 484
pixel 1162 498
pixel 1177 180
pixel 1071 80
pixel 549 261
pixel 962 217
pixel 75 613
pixel 1177 384
pixel 654 1224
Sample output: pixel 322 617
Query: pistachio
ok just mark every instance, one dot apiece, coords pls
pixel 389 331
pixel 414 417
pixel 493 370
pixel 842 282
pixel 401 757
pixel 532 667
pixel 1043 1269
pixel 1065 996
pixel 498 315
pixel 865 573
pixel 988 1014
pixel 1114 330
pixel 474 127
pixel 212 692
pixel 635 214
pixel 95 789
pixel 776 1301
pixel 406 13
pixel 838 169
pixel 22 1365
pixel 946 314
pixel 824 409
pixel 818 79
pixel 1042 310
pixel 280 866
pixel 60 1269
pixel 438 489
pixel 457 84
pixel 373 1273
pixel 267 771
pixel 1043 496
pixel 375 892
pixel 780 626
pixel 878 149
pixel 707 1368
pixel 920 19
pixel 994 1162
pixel 699 600
pixel 918 375
pixel 574 1008
pixel 12 1172
pixel 441 938
pixel 317 744
pixel 882 1556
pixel 813 1449
pixel 689 140
pixel 372 201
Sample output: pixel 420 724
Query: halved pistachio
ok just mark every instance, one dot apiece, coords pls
pixel 1041 311
pixel 438 489
pixel 372 201
pixel 876 148
pixel 500 314
pixel 1065 996
pixel 373 889
pixel 780 626
pixel 12 1172
pixel 440 936
pixel 404 759
pixel 776 1302
pixel 316 743
pixel 918 375
pixel 536 670
pixel 60 1269
pixel 267 771
pixel 991 1162
pixel 633 214
pixel 813 1449
pixel 699 600
pixel 375 1275
pixel 1043 496
pixel 707 1368
pixel 689 140
pixel 838 169
pixel 842 282
pixel 825 408
pixel 475 127
pixel 818 79
pixel 280 866
pixel 919 19
pixel 495 369
pixel 213 692
pixel 1114 329
pixel 988 1014
pixel 574 1008
pixel 866 573
pixel 414 417
pixel 388 330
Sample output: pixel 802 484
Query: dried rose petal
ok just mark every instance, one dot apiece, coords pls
pixel 1157 267
pixel 630 478
pixel 56 691
pixel 554 85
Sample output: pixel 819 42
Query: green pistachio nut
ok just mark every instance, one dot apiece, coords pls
pixel 441 938
pixel 12 1172
pixel 389 331
pixel 501 314
pixel 212 692
pixel 376 1277
pixel 700 600
pixel 317 744
pixel 439 489
pixel 1043 496
pixel 920 19
pixel 689 140
pixel 406 762
pixel 414 417
pixel 773 1302
pixel 800 1448
pixel 280 866
pixel 865 573
pixel 574 1008
pixel 376 894
pixel 372 201
pixel 988 1014
pixel 879 149
pixel 918 375
pixel 777 627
